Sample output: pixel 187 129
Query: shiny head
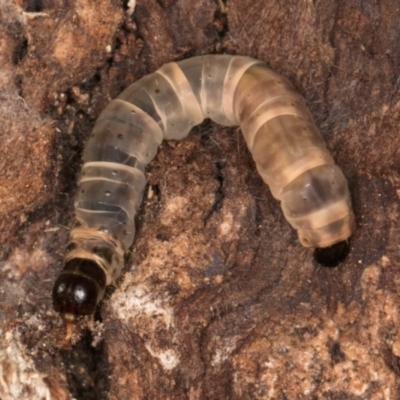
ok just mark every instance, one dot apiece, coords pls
pixel 79 288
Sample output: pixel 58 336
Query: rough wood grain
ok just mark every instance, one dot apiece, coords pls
pixel 219 300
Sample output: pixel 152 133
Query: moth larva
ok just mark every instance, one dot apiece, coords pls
pixel 288 150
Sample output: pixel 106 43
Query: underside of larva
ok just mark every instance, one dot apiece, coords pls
pixel 287 147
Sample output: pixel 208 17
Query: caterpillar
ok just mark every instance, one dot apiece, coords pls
pixel 287 147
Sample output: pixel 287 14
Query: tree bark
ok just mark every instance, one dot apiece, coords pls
pixel 218 300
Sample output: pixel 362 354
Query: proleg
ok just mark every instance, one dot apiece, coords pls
pixel 287 147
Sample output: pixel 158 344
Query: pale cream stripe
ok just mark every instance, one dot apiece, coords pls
pixel 254 124
pixel 345 233
pixel 237 67
pixel 325 238
pixel 84 233
pixel 112 165
pixel 99 178
pixel 291 172
pixel 323 217
pixel 82 253
pixel 177 79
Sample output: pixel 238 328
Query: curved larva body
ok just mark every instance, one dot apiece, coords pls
pixel 288 150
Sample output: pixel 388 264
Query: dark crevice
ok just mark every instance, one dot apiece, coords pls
pixel 156 191
pixel 20 51
pixel 391 360
pixel 333 255
pixel 125 5
pixel 161 4
pixel 72 110
pixel 33 5
pixel 219 195
pixel 115 49
pixel 87 369
pixel 187 53
pixel 144 52
pixel 162 238
pixel 91 82
pixel 70 99
pixel 5 251
pixel 70 148
pixel 18 84
pixel 258 222
pixel 333 69
pixel 221 20
pixel 336 353
pixel 118 41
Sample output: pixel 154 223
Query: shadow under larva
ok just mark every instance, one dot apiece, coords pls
pixel 287 147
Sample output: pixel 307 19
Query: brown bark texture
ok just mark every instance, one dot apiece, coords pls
pixel 218 299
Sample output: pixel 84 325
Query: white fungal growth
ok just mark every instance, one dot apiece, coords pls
pixel 135 301
pixel 19 378
pixel 168 359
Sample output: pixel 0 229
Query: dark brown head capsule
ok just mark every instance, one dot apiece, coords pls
pixel 79 288
pixel 332 256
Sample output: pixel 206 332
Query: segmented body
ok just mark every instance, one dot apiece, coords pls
pixel 288 150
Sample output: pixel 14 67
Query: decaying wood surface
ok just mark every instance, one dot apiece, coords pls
pixel 218 300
